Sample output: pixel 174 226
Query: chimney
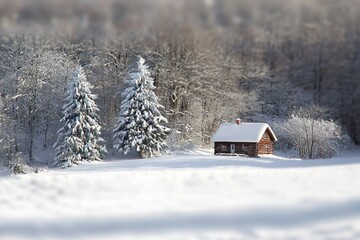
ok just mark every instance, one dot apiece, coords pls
pixel 238 121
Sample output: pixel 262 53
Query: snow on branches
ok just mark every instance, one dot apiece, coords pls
pixel 79 139
pixel 313 136
pixel 140 122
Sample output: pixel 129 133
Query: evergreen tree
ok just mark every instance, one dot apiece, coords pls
pixel 140 122
pixel 79 139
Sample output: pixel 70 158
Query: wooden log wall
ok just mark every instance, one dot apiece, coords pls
pixel 265 145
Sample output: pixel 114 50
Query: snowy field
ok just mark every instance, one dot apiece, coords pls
pixel 193 196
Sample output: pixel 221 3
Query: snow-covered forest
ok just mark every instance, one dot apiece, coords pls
pixel 211 61
pixel 132 92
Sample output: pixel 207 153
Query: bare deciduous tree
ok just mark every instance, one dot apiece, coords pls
pixel 313 136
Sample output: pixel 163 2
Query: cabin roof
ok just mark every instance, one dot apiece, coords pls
pixel 244 132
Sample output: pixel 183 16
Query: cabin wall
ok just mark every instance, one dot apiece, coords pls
pixel 265 145
pixel 240 148
pixel 222 147
pixel 246 148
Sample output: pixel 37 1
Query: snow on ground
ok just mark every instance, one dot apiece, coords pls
pixel 193 196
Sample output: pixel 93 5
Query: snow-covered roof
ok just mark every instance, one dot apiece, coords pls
pixel 244 132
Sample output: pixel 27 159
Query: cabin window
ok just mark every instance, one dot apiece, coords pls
pixel 223 147
pixel 243 147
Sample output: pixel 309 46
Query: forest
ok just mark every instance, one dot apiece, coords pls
pixel 211 60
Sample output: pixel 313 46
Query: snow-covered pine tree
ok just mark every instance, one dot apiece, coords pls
pixel 140 122
pixel 79 139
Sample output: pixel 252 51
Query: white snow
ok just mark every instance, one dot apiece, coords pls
pixel 244 132
pixel 194 196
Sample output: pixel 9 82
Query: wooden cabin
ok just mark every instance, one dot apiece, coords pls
pixel 250 139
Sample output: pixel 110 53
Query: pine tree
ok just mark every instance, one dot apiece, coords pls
pixel 79 139
pixel 140 122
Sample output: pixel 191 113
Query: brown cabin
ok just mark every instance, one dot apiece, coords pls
pixel 250 139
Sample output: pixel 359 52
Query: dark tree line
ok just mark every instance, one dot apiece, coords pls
pixel 211 61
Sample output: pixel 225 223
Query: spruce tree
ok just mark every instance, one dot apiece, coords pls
pixel 79 139
pixel 140 122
